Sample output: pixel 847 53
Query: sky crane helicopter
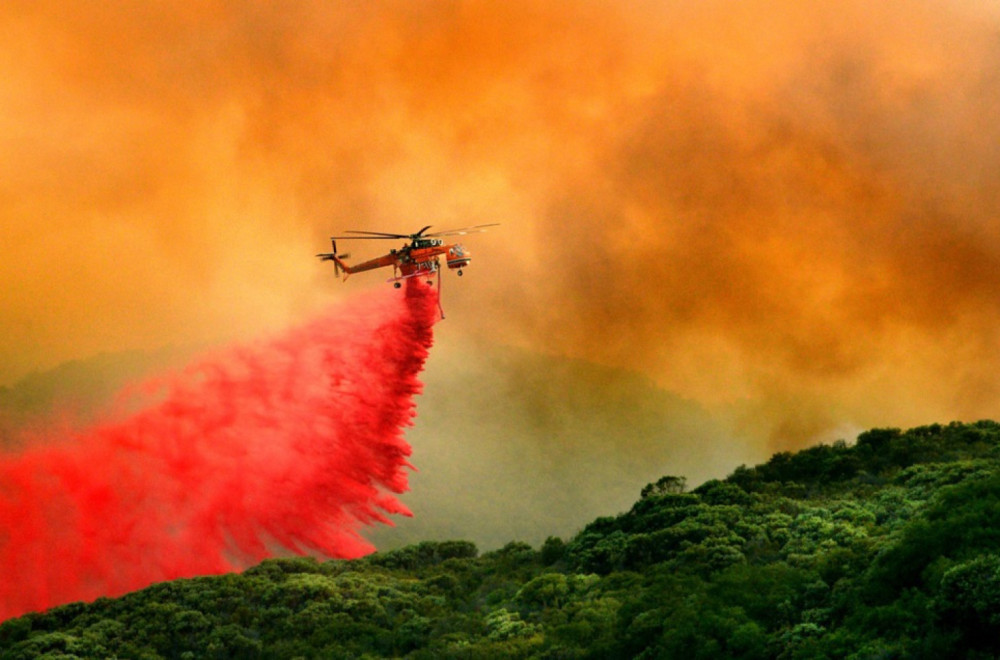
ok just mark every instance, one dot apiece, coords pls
pixel 421 257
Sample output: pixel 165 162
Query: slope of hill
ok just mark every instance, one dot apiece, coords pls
pixel 511 444
pixel 507 443
pixel 886 548
pixel 74 392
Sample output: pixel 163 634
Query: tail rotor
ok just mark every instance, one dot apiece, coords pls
pixel 334 257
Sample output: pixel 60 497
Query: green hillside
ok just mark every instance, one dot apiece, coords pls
pixel 887 548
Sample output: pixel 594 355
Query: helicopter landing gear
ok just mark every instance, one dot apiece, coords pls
pixel 459 272
pixel 396 284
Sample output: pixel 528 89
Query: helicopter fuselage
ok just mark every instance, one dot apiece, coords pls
pixel 420 256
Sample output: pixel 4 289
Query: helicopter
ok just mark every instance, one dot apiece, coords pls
pixel 421 257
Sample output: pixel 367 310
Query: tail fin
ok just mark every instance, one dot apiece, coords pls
pixel 338 265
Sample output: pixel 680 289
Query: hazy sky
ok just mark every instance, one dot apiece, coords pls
pixel 784 211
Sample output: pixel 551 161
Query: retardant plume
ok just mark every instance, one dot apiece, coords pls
pixel 288 445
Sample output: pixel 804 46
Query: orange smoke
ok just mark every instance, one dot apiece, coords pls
pixel 784 211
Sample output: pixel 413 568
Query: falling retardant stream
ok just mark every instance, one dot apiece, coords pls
pixel 289 445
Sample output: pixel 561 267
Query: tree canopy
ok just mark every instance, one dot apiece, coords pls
pixel 888 547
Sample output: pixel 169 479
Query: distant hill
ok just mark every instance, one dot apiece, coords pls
pixel 508 444
pixel 885 548
pixel 73 392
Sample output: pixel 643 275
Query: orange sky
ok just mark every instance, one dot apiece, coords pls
pixel 784 211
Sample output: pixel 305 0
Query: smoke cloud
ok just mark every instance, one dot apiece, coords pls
pixel 782 211
pixel 290 445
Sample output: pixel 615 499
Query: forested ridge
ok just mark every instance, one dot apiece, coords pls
pixel 885 548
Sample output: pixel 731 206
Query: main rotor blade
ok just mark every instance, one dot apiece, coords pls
pixel 380 235
pixel 476 229
pixel 367 238
pixel 370 234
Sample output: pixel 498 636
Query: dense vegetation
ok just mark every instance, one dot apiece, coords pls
pixel 888 548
